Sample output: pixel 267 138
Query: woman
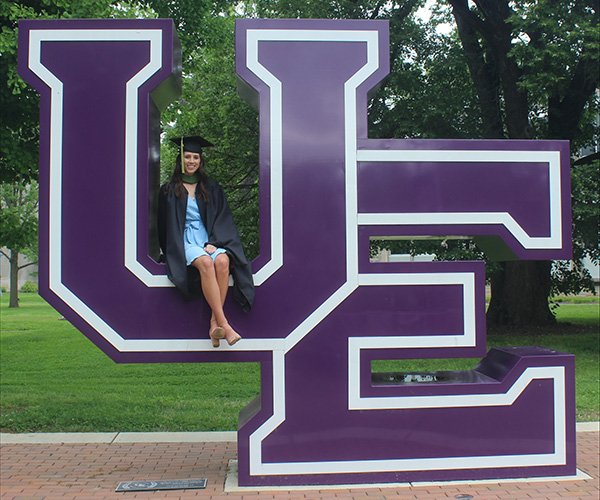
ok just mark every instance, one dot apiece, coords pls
pixel 199 240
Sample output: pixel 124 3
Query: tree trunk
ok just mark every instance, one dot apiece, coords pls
pixel 520 291
pixel 14 279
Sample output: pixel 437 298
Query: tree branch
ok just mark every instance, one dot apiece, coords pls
pixel 565 114
pixel 401 13
pixel 497 33
pixel 461 7
pixel 377 8
pixel 398 15
pixel 482 73
pixel 27 265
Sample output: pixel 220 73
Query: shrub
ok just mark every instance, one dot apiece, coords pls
pixel 29 287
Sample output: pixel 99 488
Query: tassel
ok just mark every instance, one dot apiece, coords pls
pixel 182 159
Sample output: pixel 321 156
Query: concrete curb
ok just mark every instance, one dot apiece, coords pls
pixel 117 437
pixel 588 427
pixel 155 437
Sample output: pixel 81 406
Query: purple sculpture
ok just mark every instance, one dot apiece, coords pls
pixel 320 317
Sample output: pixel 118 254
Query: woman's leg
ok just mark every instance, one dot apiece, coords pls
pixel 210 287
pixel 222 272
pixel 214 277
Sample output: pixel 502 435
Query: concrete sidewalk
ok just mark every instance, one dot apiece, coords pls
pixel 82 466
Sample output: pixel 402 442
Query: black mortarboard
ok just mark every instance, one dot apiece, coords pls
pixel 192 143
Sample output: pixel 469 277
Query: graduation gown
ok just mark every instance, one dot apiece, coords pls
pixel 222 233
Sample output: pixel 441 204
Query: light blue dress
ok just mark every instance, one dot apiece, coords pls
pixel 195 236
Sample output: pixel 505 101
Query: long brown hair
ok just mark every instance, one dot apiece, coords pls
pixel 177 181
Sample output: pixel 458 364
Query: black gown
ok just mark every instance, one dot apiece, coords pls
pixel 222 233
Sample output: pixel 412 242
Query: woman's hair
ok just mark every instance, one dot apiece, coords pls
pixel 177 181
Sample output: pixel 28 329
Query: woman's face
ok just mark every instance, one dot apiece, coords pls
pixel 191 162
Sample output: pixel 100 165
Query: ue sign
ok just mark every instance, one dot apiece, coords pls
pixel 322 312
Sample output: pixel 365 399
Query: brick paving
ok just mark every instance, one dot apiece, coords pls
pixel 92 471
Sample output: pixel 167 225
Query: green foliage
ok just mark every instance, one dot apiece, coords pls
pixel 549 34
pixel 571 277
pixel 428 93
pixel 18 228
pixel 555 43
pixel 440 249
pixel 18 217
pixel 19 129
pixel 29 287
pixel 585 189
pixel 325 9
pixel 20 104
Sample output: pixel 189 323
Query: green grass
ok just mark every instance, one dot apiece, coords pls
pixel 578 313
pixel 54 379
pixel 568 299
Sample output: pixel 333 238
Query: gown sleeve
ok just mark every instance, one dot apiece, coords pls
pixel 161 222
pixel 223 232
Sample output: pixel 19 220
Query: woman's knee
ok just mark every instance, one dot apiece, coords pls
pixel 222 263
pixel 204 264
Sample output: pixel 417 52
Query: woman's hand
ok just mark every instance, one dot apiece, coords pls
pixel 210 249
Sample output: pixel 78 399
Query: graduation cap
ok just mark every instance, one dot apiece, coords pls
pixel 191 143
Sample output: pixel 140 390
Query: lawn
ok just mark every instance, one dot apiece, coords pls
pixel 54 379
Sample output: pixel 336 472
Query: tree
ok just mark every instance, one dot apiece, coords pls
pixel 534 66
pixel 18 229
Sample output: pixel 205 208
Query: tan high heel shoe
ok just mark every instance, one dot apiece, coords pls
pixel 216 333
pixel 231 336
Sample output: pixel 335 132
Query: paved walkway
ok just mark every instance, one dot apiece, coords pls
pixel 90 466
